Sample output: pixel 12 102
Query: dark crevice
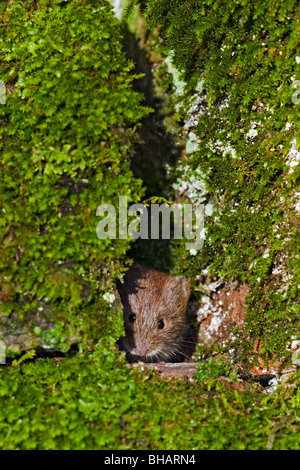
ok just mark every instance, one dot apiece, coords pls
pixel 157 147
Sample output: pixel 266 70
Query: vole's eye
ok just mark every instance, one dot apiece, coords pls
pixel 132 317
pixel 161 324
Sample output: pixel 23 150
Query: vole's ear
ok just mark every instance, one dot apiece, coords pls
pixel 184 287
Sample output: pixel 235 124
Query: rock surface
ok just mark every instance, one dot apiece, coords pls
pixel 220 310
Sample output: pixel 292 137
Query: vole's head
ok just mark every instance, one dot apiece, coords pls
pixel 154 309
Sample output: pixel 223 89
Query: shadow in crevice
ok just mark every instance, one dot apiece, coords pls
pixel 41 353
pixel 157 148
pixel 191 337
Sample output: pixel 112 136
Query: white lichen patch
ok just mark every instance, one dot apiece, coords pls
pixel 205 308
pixel 218 316
pixel 273 385
pixel 192 143
pixel 297 202
pixel 296 357
pixel 223 147
pixel 281 271
pixel 109 297
pixel 213 310
pixel 253 132
pixel 197 109
pixel 118 7
pixel 179 84
pixel 191 186
pixel 293 157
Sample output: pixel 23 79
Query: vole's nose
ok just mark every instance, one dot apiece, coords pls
pixel 140 349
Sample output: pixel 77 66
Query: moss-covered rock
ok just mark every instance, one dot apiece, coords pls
pixel 67 133
pixel 97 401
pixel 239 63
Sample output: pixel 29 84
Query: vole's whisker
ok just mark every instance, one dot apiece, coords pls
pixel 184 341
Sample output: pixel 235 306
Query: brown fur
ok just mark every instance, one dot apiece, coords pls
pixel 153 297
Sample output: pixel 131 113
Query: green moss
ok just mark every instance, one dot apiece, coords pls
pixel 67 134
pixel 215 367
pixel 244 56
pixel 67 137
pixel 97 401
